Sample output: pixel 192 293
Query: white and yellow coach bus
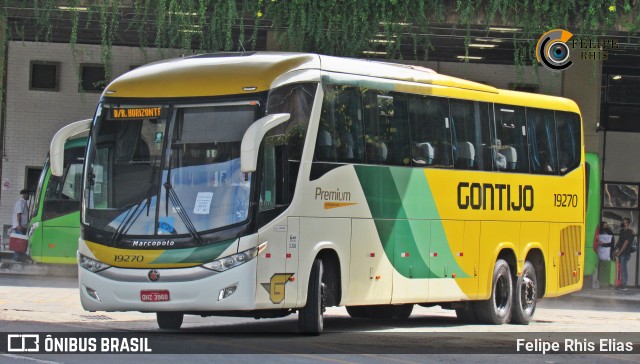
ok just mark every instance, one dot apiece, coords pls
pixel 264 184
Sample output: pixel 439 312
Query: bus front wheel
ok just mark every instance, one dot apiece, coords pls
pixel 497 309
pixel 525 295
pixel 310 319
pixel 169 320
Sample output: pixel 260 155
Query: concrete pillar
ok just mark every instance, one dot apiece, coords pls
pixel 581 82
pixel 3 66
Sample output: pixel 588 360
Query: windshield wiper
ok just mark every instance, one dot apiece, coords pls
pixel 173 196
pixel 131 216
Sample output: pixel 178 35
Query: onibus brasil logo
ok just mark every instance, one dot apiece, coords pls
pixel 552 50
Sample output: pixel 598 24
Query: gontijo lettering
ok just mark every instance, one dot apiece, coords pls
pixel 136 113
pixel 488 196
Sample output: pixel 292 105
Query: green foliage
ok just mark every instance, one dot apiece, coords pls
pixel 335 27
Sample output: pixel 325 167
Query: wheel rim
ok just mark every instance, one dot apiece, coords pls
pixel 323 301
pixel 528 294
pixel 501 296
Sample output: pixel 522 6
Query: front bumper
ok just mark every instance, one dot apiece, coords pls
pixel 190 289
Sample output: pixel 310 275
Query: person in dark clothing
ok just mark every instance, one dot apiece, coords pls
pixel 623 250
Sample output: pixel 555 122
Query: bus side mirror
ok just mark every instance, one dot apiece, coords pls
pixel 253 137
pixel 56 149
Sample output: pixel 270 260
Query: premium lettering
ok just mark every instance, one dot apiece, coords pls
pixel 488 196
pixel 336 195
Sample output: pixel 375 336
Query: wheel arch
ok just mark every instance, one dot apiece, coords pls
pixel 508 255
pixel 504 251
pixel 536 257
pixel 332 275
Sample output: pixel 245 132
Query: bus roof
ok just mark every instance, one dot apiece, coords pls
pixel 209 75
pixel 244 73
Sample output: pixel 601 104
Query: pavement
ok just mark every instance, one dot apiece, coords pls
pixel 9 267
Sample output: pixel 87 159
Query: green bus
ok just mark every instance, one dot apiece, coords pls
pixel 592 221
pixel 54 217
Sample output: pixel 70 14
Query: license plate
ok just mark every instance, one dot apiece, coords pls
pixel 154 295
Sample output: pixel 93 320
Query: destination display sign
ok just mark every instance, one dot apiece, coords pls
pixel 135 113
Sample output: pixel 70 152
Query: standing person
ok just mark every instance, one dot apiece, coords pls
pixel 606 242
pixel 20 219
pixel 623 250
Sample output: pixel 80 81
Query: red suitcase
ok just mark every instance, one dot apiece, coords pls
pixel 18 243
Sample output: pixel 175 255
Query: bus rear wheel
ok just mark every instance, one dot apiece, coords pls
pixel 467 314
pixel 497 309
pixel 358 311
pixel 310 317
pixel 525 295
pixel 169 320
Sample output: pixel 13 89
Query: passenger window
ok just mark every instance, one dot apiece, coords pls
pixel 485 117
pixel 430 132
pixel 296 100
pixel 268 187
pixel 386 136
pixel 509 147
pixel 542 141
pixel 569 132
pixel 467 134
pixel 340 134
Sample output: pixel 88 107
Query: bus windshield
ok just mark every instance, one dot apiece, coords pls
pixel 62 193
pixel 167 170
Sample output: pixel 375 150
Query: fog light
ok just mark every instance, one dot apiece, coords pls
pixel 226 292
pixel 92 293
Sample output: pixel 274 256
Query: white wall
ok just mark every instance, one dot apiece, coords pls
pixel 33 117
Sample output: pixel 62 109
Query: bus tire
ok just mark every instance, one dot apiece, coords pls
pixel 497 309
pixel 358 311
pixel 310 319
pixel 402 312
pixel 525 295
pixel 169 320
pixel 386 312
pixel 467 314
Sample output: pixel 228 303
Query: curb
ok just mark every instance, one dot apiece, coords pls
pixel 31 269
pixel 632 296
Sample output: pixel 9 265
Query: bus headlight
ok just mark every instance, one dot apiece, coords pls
pixel 222 264
pixel 91 265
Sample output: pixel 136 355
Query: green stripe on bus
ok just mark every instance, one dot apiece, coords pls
pixel 201 254
pixel 404 213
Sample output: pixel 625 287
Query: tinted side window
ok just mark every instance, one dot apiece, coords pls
pixel 340 134
pixel 297 100
pixel 510 143
pixel 284 144
pixel 484 115
pixel 542 141
pixel 569 137
pixel 467 134
pixel 463 128
pixel 63 193
pixel 430 132
pixel 385 127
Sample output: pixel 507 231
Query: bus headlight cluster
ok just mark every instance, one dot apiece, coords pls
pixel 91 265
pixel 222 264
